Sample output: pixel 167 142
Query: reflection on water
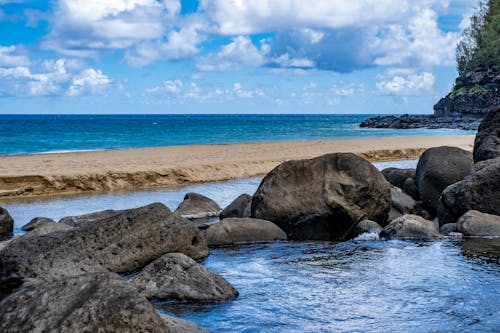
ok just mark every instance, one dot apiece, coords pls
pixel 363 286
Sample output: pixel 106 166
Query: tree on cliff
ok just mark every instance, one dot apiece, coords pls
pixel 480 43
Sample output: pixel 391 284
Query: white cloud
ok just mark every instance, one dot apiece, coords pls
pixel 12 56
pixel 169 86
pixel 405 83
pixel 89 80
pixel 241 52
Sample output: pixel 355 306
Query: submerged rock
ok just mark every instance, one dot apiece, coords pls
pixel 322 198
pixel 411 227
pixel 477 224
pixel 176 276
pixel 487 142
pixel 120 243
pixel 397 176
pixel 238 230
pixel 438 168
pixel 6 223
pixel 95 302
pixel 197 206
pixel 478 191
pixel 237 207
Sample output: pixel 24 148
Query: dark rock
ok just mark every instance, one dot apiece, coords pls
pixel 410 188
pixel 46 227
pixel 448 228
pixel 366 226
pixel 438 168
pixel 82 220
pixel 178 325
pixel 478 191
pixel 197 206
pixel 487 142
pixel 176 276
pixel 420 210
pixel 95 302
pixel 397 177
pixel 121 243
pixel 36 222
pixel 322 198
pixel 6 223
pixel 237 207
pixel 238 230
pixel 401 202
pixel 411 227
pixel 406 121
pixel 248 210
pixel 477 224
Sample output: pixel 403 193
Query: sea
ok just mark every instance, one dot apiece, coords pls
pixel 31 134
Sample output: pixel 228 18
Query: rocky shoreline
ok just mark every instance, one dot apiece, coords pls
pixel 104 271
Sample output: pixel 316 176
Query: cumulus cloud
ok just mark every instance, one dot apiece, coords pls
pixel 405 82
pixel 88 81
pixel 13 56
pixel 169 86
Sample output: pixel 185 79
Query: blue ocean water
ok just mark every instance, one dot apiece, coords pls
pixel 26 134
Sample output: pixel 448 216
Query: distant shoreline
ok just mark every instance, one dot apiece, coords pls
pixel 144 168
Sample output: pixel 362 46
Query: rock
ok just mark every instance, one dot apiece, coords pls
pixel 487 142
pixel 178 325
pixel 237 230
pixel 401 202
pixel 406 121
pixel 397 177
pixel 393 214
pixel 197 206
pixel 94 302
pixel 47 227
pixel 411 227
pixel 248 210
pixel 478 191
pixel 477 224
pixel 364 227
pixel 176 276
pixel 438 168
pixel 6 223
pixel 237 207
pixel 121 243
pixel 448 228
pixel 410 188
pixel 420 210
pixel 322 198
pixel 82 220
pixel 35 223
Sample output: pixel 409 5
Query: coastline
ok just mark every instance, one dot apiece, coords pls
pixel 99 171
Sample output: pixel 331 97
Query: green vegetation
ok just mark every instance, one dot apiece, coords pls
pixel 464 90
pixel 480 44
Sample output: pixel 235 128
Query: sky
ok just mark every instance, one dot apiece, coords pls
pixel 228 56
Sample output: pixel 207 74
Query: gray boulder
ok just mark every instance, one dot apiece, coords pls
pixel 410 188
pixel 35 223
pixel 237 207
pixel 197 206
pixel 401 202
pixel 448 228
pixel 364 227
pixel 6 223
pixel 477 224
pixel 95 302
pixel 82 220
pixel 487 142
pixel 322 198
pixel 397 177
pixel 237 230
pixel 411 227
pixel 46 227
pixel 176 276
pixel 438 168
pixel 478 191
pixel 121 243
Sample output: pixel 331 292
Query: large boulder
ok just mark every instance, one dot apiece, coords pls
pixel 410 188
pixel 93 302
pixel 237 230
pixel 477 224
pixel 411 227
pixel 401 202
pixel 438 168
pixel 322 198
pixel 487 143
pixel 176 276
pixel 397 177
pixel 237 207
pixel 121 243
pixel 197 206
pixel 478 191
pixel 6 223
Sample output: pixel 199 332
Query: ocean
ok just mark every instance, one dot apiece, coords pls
pixel 29 134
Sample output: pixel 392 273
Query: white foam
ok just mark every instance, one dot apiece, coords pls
pixel 367 236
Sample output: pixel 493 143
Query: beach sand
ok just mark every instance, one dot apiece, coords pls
pixel 132 169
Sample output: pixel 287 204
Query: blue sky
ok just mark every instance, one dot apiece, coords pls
pixel 228 56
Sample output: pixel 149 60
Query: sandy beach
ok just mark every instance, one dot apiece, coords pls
pixel 79 172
